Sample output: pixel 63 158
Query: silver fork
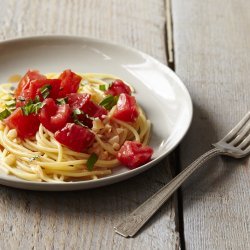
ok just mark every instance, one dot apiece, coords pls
pixel 235 144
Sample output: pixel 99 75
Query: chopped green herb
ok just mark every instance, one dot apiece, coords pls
pixel 4 114
pixel 77 122
pixel 77 111
pixel 37 99
pixel 11 105
pixel 102 87
pixel 91 161
pixel 109 101
pixel 21 98
pixel 32 107
pixel 62 101
pixel 75 114
pixel 34 157
pixel 45 90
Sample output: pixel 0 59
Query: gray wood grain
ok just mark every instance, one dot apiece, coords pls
pixel 85 219
pixel 212 56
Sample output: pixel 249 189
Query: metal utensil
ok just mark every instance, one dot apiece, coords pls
pixel 235 144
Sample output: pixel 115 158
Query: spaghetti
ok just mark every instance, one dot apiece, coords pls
pixel 43 158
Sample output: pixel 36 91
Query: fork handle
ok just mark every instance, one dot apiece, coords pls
pixel 134 221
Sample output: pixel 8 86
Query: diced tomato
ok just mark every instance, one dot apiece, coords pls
pixel 26 126
pixel 52 116
pixel 25 81
pixel 35 90
pixel 36 85
pixel 83 102
pixel 30 87
pixel 133 154
pixel 75 137
pixel 94 110
pixel 126 109
pixel 78 100
pixel 118 87
pixel 70 82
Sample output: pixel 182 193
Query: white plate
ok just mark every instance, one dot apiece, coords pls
pixel 159 91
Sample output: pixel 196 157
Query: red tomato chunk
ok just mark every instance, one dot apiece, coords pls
pixel 24 84
pixel 36 85
pixel 30 87
pixel 78 100
pixel 52 116
pixel 133 154
pixel 126 108
pixel 83 102
pixel 70 83
pixel 75 137
pixel 26 126
pixel 118 87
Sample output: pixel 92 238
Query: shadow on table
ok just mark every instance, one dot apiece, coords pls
pixel 215 173
pixel 110 203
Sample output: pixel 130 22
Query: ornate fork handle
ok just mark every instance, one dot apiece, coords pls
pixel 132 224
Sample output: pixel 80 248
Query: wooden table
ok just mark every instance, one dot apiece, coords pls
pixel 211 43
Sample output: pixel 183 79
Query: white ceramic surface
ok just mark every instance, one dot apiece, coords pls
pixel 159 91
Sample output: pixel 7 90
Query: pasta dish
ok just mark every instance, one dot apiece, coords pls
pixel 70 127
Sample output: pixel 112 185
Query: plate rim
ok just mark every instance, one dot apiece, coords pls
pixel 80 185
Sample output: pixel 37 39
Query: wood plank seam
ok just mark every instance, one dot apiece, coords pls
pixel 175 156
pixel 169 34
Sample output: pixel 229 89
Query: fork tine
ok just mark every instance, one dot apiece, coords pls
pixel 237 128
pixel 244 131
pixel 244 143
pixel 247 150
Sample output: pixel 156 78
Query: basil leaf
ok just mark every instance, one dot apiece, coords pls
pixel 37 99
pixel 45 90
pixel 11 105
pixel 4 114
pixel 102 87
pixel 91 161
pixel 109 102
pixel 32 107
pixel 77 122
pixel 21 98
pixel 77 112
pixel 38 106
pixel 62 101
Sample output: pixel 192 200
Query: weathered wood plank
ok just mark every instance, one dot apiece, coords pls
pixel 212 56
pixel 85 219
